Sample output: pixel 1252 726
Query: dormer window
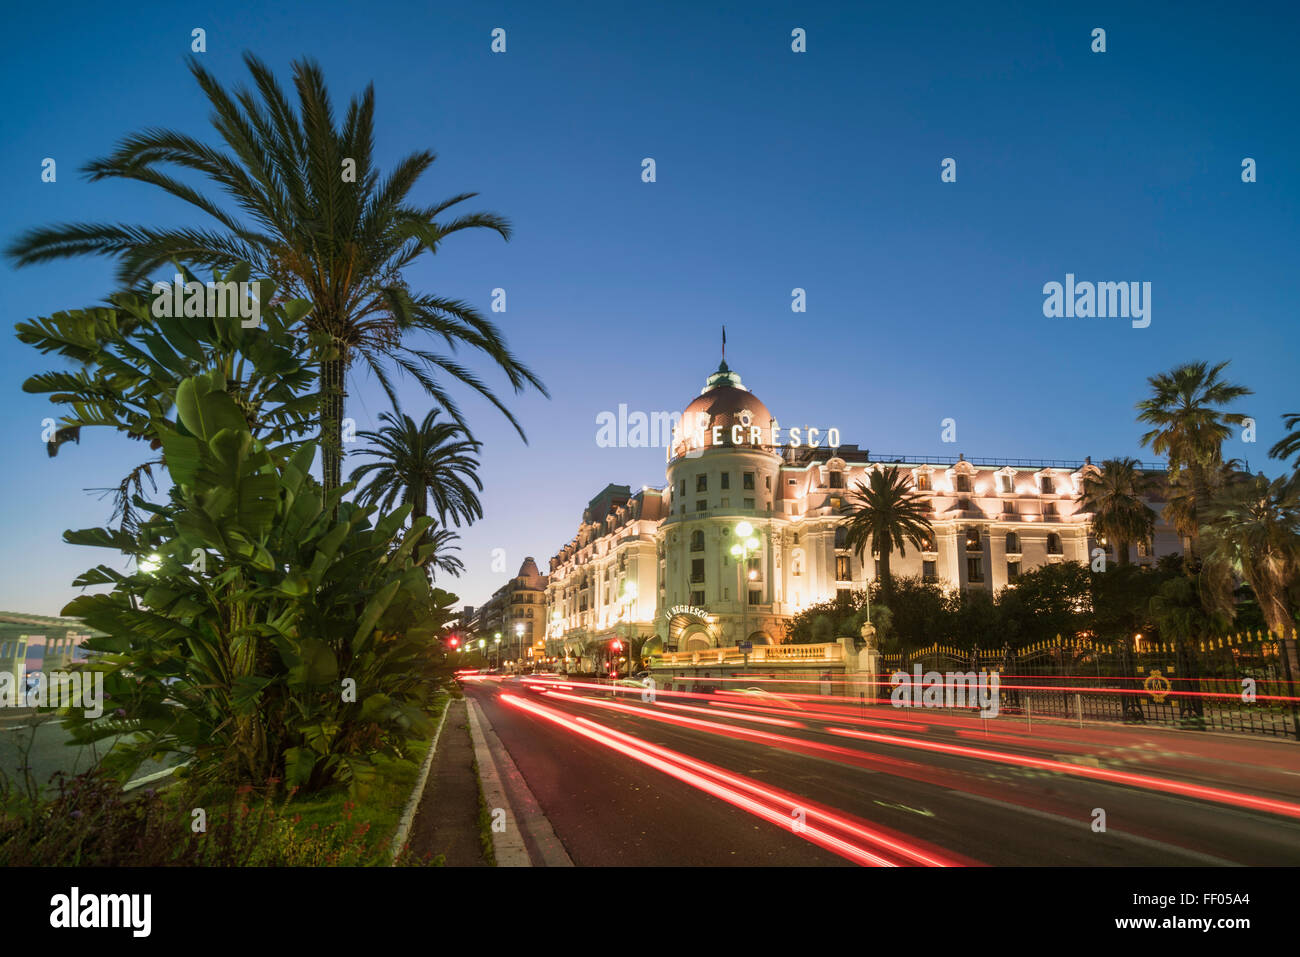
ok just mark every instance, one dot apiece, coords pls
pixel 923 481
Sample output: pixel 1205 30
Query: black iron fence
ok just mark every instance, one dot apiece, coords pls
pixel 1243 683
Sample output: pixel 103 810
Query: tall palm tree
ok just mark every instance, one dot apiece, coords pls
pixel 885 513
pixel 417 464
pixel 1253 526
pixel 308 209
pixel 1189 428
pixel 1115 497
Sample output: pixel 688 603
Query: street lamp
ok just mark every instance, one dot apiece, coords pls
pixel 496 642
pixel 519 633
pixel 742 550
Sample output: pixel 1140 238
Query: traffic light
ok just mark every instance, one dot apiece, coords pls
pixel 616 645
pixel 453 641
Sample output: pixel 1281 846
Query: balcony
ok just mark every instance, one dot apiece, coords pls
pixel 762 654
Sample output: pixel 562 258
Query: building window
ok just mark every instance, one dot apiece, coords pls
pixel 1144 548
pixel 972 539
pixel 701 505
pixel 753 570
pixel 683 488
pixel 837 480
pixel 1005 483
pixel 702 483
pixel 929 572
pixel 755 596
pixel 842 570
pixel 1009 507
pixel 749 503
pixel 1054 544
pixel 697 541
pixel 841 535
pixel 1047 485
pixel 974 569
pixel 697 569
pixel 697 599
pixel 963 483
pixel 767 482
pixel 796 538
pixel 963 504
pixel 748 480
pixel 1013 571
pixel 1049 509
pixel 1013 543
pixel 923 481
pixel 726 480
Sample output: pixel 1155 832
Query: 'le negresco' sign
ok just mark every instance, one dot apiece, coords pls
pixel 676 610
pixel 692 434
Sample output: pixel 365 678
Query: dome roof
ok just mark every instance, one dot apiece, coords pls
pixel 724 402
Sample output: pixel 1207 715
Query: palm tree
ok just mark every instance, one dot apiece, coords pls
pixel 310 211
pixel 1290 444
pixel 1253 527
pixel 1190 429
pixel 1115 496
pixel 416 464
pixel 884 514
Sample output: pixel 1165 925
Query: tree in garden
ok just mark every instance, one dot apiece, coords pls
pixel 1189 426
pixel 884 514
pixel 1254 529
pixel 1116 497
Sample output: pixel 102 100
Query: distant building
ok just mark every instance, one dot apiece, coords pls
pixel 659 563
pixel 516 611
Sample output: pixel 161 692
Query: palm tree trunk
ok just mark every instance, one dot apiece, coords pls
pixel 886 580
pixel 1121 552
pixel 332 372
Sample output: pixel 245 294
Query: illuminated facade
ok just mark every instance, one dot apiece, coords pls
pixel 660 563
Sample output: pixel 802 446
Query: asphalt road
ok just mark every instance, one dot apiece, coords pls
pixel 781 782
pixel 42 743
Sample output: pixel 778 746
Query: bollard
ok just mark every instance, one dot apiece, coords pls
pixel 1078 707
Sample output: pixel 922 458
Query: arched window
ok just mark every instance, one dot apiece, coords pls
pixel 1013 543
pixel 697 541
pixel 1053 544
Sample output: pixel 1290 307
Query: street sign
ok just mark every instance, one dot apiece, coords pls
pixel 746 646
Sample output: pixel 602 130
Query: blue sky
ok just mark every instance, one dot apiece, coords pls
pixel 775 170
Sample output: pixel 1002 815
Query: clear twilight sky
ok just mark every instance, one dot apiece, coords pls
pixel 775 170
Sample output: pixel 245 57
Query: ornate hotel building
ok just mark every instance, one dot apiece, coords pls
pixel 658 563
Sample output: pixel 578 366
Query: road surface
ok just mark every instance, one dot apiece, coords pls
pixel 791 780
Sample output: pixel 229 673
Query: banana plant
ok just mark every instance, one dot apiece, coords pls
pixel 130 364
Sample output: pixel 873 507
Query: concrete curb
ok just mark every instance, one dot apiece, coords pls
pixel 413 803
pixel 508 847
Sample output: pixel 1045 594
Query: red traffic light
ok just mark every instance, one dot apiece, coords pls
pixel 453 641
pixel 616 644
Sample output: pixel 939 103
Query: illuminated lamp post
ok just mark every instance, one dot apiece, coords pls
pixel 519 634
pixel 742 550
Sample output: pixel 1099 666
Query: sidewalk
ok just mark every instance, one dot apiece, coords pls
pixel 447 821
